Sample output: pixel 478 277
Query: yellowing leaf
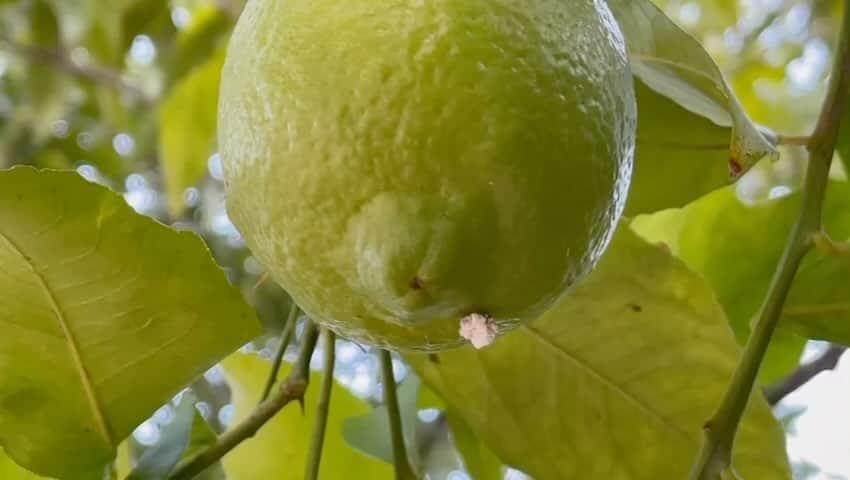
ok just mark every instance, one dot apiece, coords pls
pixel 279 450
pixel 613 383
pixel 708 132
pixel 737 247
pixel 187 129
pixel 105 315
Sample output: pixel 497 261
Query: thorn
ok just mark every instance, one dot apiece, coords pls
pixel 263 278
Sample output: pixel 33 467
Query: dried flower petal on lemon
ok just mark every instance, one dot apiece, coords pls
pixel 400 165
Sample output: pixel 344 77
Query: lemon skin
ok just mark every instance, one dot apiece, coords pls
pixel 399 165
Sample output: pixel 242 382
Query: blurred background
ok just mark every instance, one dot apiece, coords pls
pixel 125 92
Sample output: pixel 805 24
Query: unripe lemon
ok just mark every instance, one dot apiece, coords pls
pixel 405 168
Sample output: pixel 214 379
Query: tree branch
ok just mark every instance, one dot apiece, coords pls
pixel 403 471
pixel 293 388
pixel 314 458
pixel 285 339
pixel 715 455
pixel 58 60
pixel 804 373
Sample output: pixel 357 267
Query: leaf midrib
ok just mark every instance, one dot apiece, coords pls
pixel 73 346
pixel 638 403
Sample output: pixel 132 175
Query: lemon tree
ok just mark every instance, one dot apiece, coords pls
pixel 579 239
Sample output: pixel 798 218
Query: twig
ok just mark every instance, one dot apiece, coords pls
pixel 829 246
pixel 285 339
pixel 292 389
pixel 58 60
pixel 314 458
pixel 715 455
pixel 804 373
pixel 403 471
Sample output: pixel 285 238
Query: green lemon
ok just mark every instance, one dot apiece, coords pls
pixel 409 168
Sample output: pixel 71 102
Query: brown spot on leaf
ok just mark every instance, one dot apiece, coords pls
pixel 417 283
pixel 735 168
pixel 635 307
pixel 433 358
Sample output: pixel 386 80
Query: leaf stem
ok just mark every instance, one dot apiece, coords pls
pixel 403 471
pixel 285 340
pixel 314 458
pixel 293 388
pixel 715 456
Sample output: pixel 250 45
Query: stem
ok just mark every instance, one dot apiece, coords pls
pixel 59 61
pixel 403 471
pixel 803 374
pixel 716 453
pixel 285 339
pixel 314 458
pixel 293 388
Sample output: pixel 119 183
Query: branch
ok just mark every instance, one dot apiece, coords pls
pixel 403 471
pixel 715 456
pixel 804 373
pixel 293 388
pixel 314 458
pixel 285 339
pixel 58 60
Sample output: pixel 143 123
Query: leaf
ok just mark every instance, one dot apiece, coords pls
pixel 671 66
pixel 106 314
pixel 279 450
pixel 479 460
pixel 614 382
pixel 714 234
pixel 187 433
pixel 187 130
pixel 9 470
pixel 370 433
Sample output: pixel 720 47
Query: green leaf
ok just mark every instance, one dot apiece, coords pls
pixel 614 382
pixel 187 433
pixel 737 247
pixel 106 315
pixel 187 130
pixel 9 470
pixel 691 126
pixel 198 42
pixel 370 433
pixel 279 450
pixel 478 460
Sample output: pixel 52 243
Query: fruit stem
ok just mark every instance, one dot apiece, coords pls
pixel 314 458
pixel 293 388
pixel 715 457
pixel 403 471
pixel 285 339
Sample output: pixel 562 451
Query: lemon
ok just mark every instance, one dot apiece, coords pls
pixel 418 172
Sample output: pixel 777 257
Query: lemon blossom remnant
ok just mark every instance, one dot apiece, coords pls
pixel 479 329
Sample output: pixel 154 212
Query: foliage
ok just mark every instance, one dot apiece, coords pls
pixel 109 307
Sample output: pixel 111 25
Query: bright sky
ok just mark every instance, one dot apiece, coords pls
pixel 822 434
